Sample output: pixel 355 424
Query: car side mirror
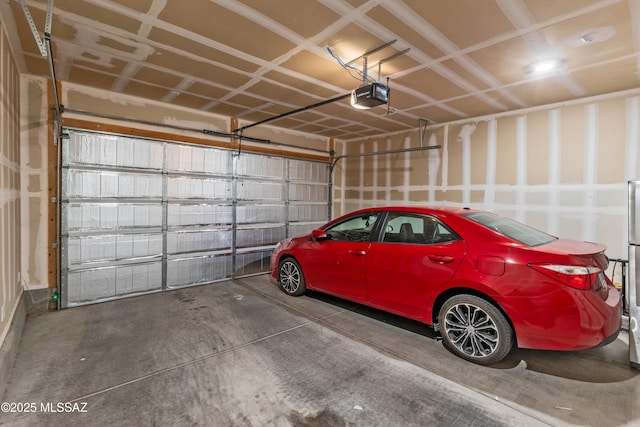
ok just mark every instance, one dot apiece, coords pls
pixel 319 235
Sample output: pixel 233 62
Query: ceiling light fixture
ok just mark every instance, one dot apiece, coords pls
pixel 545 66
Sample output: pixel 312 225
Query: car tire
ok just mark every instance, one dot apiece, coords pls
pixel 475 329
pixel 291 278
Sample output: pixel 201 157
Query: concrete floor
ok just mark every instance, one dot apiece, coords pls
pixel 241 353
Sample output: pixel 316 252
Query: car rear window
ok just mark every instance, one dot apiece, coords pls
pixel 512 229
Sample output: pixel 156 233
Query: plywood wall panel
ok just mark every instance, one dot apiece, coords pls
pixel 450 197
pixel 476 197
pixel 612 133
pixel 571 225
pixel 537 151
pixel 399 141
pixel 572 153
pixel 454 148
pixel 479 150
pixel 369 174
pixel 35 265
pixel 396 196
pixel 504 198
pixel 398 168
pixel 612 234
pixel 419 167
pixel 352 195
pixel 418 196
pixel 352 174
pixel 506 152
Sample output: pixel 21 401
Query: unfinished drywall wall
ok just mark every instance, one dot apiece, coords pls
pixel 563 169
pixel 10 287
pixel 107 107
pixel 34 140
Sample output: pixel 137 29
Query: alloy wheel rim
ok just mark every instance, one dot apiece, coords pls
pixel 289 277
pixel 471 330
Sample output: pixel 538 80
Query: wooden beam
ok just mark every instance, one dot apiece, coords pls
pixel 52 190
pixel 233 141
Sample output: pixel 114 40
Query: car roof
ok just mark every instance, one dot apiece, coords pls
pixel 418 209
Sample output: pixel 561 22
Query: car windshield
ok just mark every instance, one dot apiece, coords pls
pixel 512 229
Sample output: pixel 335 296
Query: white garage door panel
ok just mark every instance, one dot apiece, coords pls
pixel 260 236
pixel 201 240
pixel 87 184
pixel 190 214
pixel 193 159
pixel 91 148
pixel 189 187
pixel 252 262
pixel 92 285
pixel 255 165
pixel 264 212
pixel 83 250
pixel 260 191
pixel 142 215
pixel 198 270
pixel 95 216
pixel 111 217
pixel 302 212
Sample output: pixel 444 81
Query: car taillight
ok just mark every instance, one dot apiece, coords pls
pixel 571 275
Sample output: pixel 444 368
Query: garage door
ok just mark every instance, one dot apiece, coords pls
pixel 141 215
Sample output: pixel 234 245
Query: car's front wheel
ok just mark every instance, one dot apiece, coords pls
pixel 475 329
pixel 291 278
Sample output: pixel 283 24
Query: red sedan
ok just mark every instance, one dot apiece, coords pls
pixel 485 282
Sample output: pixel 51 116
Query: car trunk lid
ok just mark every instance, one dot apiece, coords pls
pixel 584 253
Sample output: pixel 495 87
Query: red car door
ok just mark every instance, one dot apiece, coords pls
pixel 404 269
pixel 337 265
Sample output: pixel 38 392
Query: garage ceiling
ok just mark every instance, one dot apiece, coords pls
pixel 254 59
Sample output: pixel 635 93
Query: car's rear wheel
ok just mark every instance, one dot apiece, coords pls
pixel 291 278
pixel 475 329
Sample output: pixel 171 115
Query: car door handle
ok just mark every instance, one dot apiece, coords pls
pixel 442 259
pixel 357 253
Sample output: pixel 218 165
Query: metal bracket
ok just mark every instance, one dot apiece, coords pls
pixel 365 59
pixel 34 30
pixel 380 153
pixel 389 58
pixel 422 129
